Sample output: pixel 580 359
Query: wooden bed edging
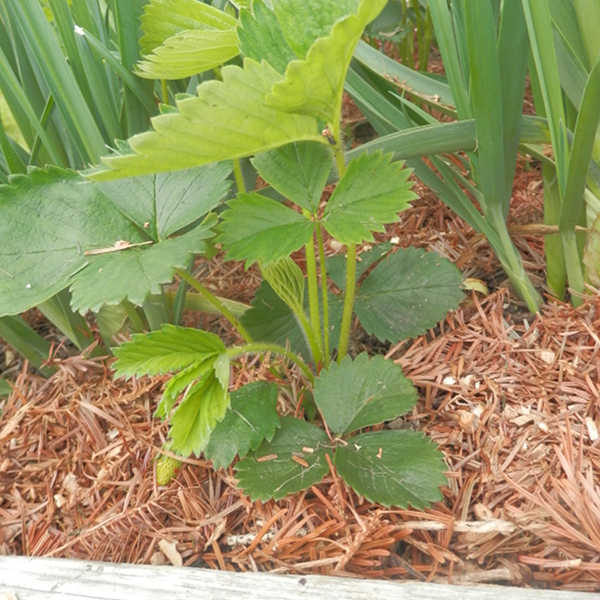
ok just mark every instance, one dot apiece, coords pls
pixel 24 578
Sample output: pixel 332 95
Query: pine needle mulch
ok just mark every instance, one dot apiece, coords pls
pixel 513 401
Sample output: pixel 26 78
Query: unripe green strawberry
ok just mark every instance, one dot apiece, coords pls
pixel 165 469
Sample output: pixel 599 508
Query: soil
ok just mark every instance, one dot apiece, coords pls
pixel 512 400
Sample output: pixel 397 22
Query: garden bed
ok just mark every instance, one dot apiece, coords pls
pixel 511 399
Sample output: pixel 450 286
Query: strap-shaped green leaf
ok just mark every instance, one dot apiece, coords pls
pixel 261 37
pixel 407 293
pixel 287 280
pixel 370 194
pixel 251 418
pixel 197 415
pixel 362 392
pixel 170 349
pixel 314 86
pixel 189 53
pixel 228 119
pixel 272 472
pixel 163 19
pixel 297 171
pixel 256 228
pixel 393 468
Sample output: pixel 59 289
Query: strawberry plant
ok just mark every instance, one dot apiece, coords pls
pixel 282 108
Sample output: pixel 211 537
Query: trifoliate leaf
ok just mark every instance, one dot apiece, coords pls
pixel 188 53
pixel 297 171
pixel 256 228
pixel 81 233
pixel 393 468
pixel 293 461
pixel 336 265
pixel 50 219
pixel 251 418
pixel 134 273
pixel 261 37
pixel 407 293
pixel 179 382
pixel 314 86
pixel 361 392
pixel 371 193
pixel 270 320
pixel 287 280
pixel 163 19
pixel 170 349
pixel 195 418
pixel 228 119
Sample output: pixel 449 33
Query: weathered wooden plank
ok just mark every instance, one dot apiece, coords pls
pixel 26 578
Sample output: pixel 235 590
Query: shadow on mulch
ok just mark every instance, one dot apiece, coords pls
pixel 511 399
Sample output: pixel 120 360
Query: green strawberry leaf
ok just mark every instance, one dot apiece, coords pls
pixel 287 280
pixel 371 193
pixel 280 474
pixel 261 37
pixel 228 119
pixel 256 228
pixel 50 219
pixel 197 415
pixel 316 16
pixel 251 418
pixel 314 86
pixel 179 382
pixel 297 171
pixel 164 204
pixel 362 392
pixel 393 468
pixel 170 349
pixel 407 293
pixel 60 230
pixel 109 278
pixel 163 19
pixel 269 319
pixel 188 53
pixel 336 265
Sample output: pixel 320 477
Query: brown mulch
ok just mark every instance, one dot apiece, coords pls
pixel 512 400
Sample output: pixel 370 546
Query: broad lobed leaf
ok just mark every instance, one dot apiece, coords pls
pixel 314 86
pixel 393 468
pixel 170 349
pixel 163 19
pixel 228 119
pixel 297 171
pixel 407 293
pixel 362 392
pixel 256 228
pixel 371 193
pixel 189 53
pixel 196 417
pixel 280 474
pixel 60 230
